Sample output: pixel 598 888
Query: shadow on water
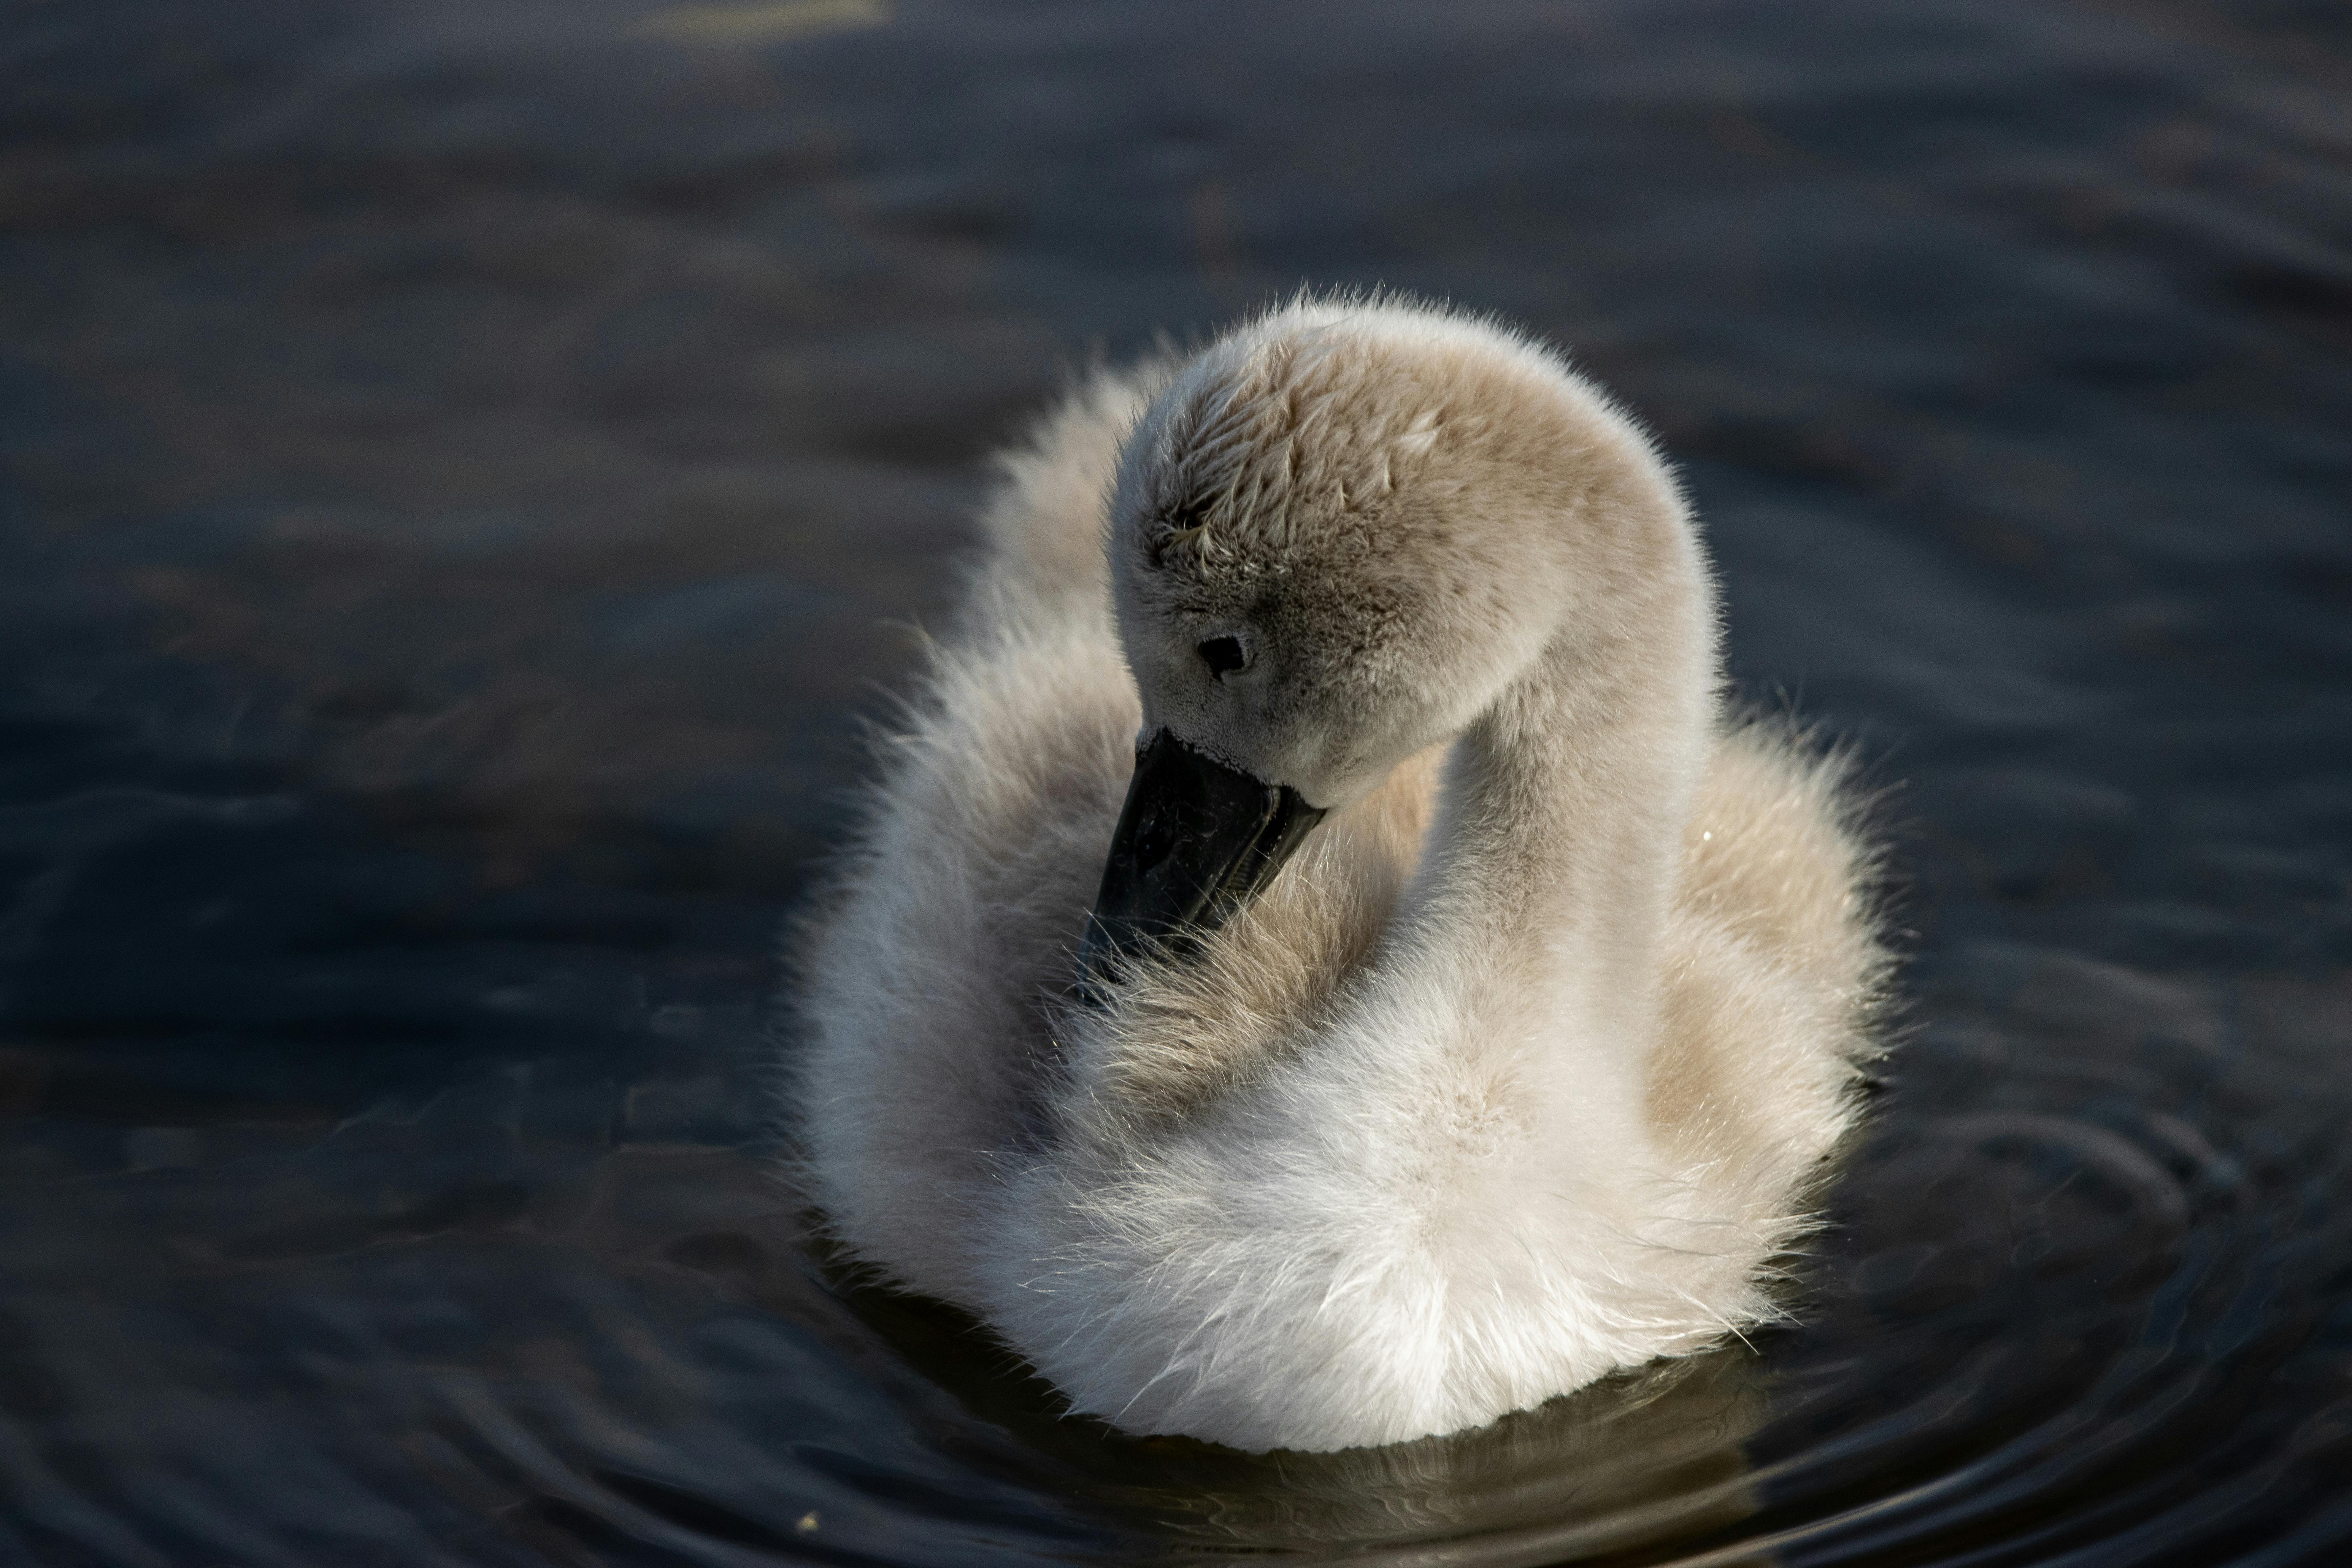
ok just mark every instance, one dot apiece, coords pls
pixel 466 471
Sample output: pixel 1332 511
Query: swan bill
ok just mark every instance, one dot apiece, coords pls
pixel 1196 841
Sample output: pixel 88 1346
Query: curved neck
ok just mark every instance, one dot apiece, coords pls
pixel 1547 884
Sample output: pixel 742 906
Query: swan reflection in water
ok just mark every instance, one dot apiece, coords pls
pixel 1654 1454
pixel 1467 1005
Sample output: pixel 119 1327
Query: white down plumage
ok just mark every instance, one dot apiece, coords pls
pixel 1518 1069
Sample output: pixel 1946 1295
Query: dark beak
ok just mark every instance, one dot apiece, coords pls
pixel 1196 841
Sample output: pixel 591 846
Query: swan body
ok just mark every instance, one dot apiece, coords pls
pixel 1516 1073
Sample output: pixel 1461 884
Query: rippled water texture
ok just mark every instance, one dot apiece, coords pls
pixel 469 466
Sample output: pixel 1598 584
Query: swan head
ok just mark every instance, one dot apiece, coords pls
pixel 1337 536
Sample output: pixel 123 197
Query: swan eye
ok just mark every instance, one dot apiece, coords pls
pixel 1223 655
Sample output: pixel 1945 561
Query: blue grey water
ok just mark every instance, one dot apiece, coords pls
pixel 468 468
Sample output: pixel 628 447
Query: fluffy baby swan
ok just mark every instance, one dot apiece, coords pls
pixel 1513 1074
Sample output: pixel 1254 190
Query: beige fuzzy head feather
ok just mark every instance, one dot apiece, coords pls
pixel 1381 513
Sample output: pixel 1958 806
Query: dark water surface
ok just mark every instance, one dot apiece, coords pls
pixel 463 460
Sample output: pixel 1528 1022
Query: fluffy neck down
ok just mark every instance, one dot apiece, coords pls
pixel 1433 1197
